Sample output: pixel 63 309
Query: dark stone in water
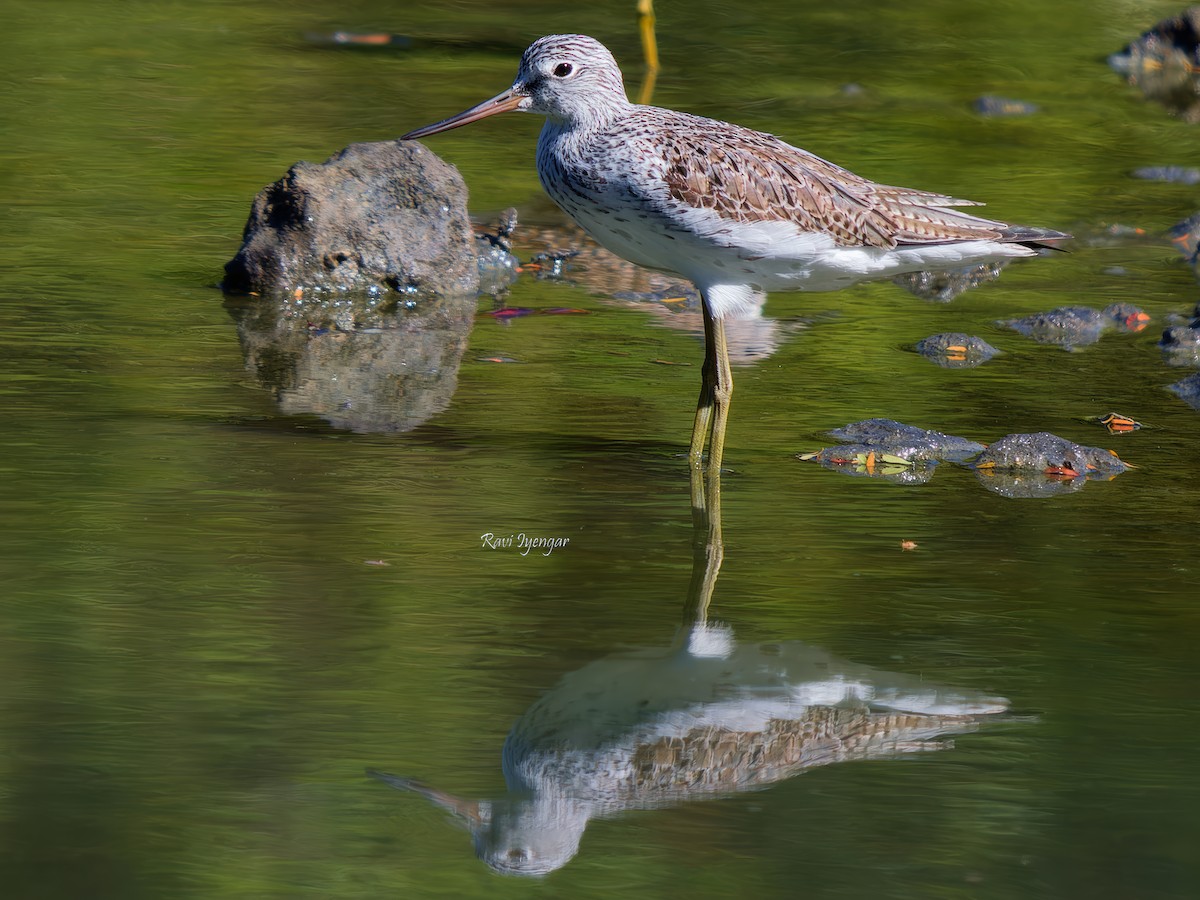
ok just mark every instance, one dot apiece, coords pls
pixel 954 350
pixel 1048 454
pixel 1187 390
pixel 388 215
pixel 1181 344
pixel 1077 326
pixel 1163 64
pixel 906 441
pixel 1186 237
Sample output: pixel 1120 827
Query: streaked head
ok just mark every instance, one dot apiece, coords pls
pixel 570 78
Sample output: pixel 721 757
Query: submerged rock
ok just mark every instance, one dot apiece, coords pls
pixel 1170 174
pixel 1164 63
pixel 955 350
pixel 498 267
pixel 1019 465
pixel 1181 344
pixel 1048 454
pixel 1042 465
pixel 388 215
pixel 1186 237
pixel 1077 326
pixel 1002 107
pixel 1187 390
pixel 907 441
pixel 891 450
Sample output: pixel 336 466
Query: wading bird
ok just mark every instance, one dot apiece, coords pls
pixel 735 211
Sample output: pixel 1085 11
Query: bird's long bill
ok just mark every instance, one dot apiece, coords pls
pixel 506 101
pixel 467 809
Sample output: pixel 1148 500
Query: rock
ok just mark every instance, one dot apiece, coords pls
pixel 1077 326
pixel 383 215
pixel 1002 107
pixel 498 266
pixel 891 450
pixel 1187 390
pixel 1186 237
pixel 1163 63
pixel 954 350
pixel 1048 454
pixel 906 441
pixel 1181 344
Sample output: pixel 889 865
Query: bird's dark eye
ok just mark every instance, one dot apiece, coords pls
pixel 562 70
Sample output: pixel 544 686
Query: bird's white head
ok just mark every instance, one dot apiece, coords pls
pixel 569 78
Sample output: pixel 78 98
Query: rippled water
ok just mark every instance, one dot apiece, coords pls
pixel 218 614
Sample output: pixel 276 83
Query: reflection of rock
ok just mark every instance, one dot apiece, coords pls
pixel 383 215
pixel 651 728
pixel 1163 63
pixel 359 364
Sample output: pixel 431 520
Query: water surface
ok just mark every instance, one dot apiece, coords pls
pixel 217 615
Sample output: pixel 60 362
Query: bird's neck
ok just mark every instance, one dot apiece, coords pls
pixel 601 111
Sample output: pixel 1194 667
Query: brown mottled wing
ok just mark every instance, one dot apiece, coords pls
pixel 747 176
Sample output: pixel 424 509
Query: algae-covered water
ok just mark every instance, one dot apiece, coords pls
pixel 217 611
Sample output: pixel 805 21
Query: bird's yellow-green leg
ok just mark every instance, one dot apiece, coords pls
pixel 645 9
pixel 722 395
pixel 704 404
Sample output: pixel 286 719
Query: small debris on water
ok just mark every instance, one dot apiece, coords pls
pixel 1116 423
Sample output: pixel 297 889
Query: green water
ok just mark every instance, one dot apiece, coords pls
pixel 215 616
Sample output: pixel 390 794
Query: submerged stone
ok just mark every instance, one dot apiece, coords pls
pixel 1048 454
pixel 1171 174
pixel 955 350
pixel 906 442
pixel 1187 390
pixel 1181 344
pixel 1164 63
pixel 1002 107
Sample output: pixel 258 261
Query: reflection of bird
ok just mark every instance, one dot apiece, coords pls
pixel 707 717
pixel 733 210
